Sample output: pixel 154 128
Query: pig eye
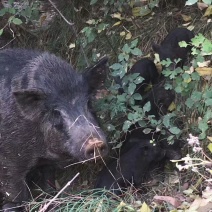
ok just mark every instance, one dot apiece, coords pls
pixel 57 120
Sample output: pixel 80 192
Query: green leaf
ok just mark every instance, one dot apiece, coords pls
pixel 208 102
pixel 17 21
pixel 142 123
pixel 147 107
pixel 189 103
pixel 183 44
pixel 174 130
pixel 134 43
pixel 147 130
pixel 136 52
pixel 137 96
pixel 131 88
pixel 207 47
pixel 1 31
pixel 126 125
pixel 93 2
pixel 139 80
pixel 11 10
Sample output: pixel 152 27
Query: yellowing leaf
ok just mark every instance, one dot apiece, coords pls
pixel 117 15
pixel 172 107
pixel 205 71
pixel 128 36
pixel 210 147
pixel 123 33
pixel 72 45
pixel 186 18
pixel 187 80
pixel 144 208
pixel 208 12
pixel 140 11
pixel 117 23
pixel 209 138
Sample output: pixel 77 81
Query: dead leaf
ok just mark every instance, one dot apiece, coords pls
pixel 197 203
pixel 209 138
pixel 204 64
pixel 205 71
pixel 128 36
pixel 140 11
pixel 144 208
pixel 117 15
pixel 173 201
pixel 201 5
pixel 72 45
pixel 208 12
pixel 117 23
pixel 123 33
pixel 186 18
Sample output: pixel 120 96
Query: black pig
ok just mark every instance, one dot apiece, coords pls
pixel 160 100
pixel 146 69
pixel 137 158
pixel 132 167
pixel 170 48
pixel 44 117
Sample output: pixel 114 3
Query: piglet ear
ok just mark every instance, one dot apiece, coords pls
pixel 96 74
pixel 30 102
pixel 155 47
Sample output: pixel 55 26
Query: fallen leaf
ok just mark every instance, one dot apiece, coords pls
pixel 204 71
pixel 186 18
pixel 144 208
pixel 72 45
pixel 208 12
pixel 210 147
pixel 128 36
pixel 204 64
pixel 123 33
pixel 209 138
pixel 117 23
pixel 117 15
pixel 201 5
pixel 173 201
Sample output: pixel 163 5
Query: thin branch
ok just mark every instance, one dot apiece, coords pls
pixel 73 28
pixel 45 207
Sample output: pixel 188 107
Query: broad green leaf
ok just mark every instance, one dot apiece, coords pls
pixel 147 107
pixel 183 44
pixel 126 125
pixel 136 52
pixel 137 96
pixel 131 88
pixel 147 130
pixel 17 21
pixel 174 130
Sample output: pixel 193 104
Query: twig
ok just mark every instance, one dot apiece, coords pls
pixel 74 30
pixel 68 184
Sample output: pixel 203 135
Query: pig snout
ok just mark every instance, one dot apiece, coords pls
pixel 95 148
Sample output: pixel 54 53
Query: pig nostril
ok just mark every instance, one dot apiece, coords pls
pixel 96 149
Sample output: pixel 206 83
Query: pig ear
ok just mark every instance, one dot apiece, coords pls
pixel 96 74
pixel 155 47
pixel 30 102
